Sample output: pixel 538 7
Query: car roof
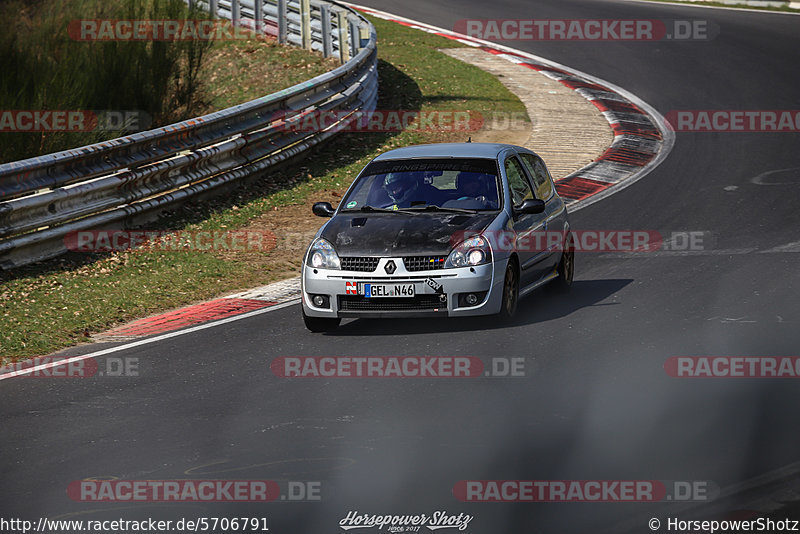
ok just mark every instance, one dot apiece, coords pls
pixel 449 150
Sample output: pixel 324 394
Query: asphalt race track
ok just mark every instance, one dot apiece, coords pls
pixel 595 402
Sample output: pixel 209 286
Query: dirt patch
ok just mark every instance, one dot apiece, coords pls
pixel 294 227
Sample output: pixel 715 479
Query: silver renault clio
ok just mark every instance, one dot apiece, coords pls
pixel 438 230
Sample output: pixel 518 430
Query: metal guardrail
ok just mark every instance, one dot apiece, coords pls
pixel 133 178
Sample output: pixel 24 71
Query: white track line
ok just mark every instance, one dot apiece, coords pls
pixel 146 341
pixel 687 4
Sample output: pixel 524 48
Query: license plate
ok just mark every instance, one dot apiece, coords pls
pixel 386 290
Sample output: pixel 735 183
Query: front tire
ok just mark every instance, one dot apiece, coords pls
pixel 566 267
pixel 508 307
pixel 321 324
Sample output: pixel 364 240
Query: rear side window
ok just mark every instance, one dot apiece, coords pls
pixel 520 190
pixel 541 178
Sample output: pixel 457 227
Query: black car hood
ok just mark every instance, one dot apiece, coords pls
pixel 398 234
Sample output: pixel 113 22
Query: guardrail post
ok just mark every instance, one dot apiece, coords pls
pixel 282 22
pixel 236 15
pixel 344 50
pixel 355 36
pixel 327 40
pixel 305 23
pixel 259 15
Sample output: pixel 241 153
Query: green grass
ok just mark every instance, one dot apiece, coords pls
pixel 238 71
pixel 59 303
pixel 45 69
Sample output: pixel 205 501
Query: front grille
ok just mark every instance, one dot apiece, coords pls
pixel 424 263
pixel 419 302
pixel 359 263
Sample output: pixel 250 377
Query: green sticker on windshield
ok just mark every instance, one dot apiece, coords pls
pixel 351 204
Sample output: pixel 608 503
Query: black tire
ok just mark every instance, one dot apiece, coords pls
pixel 321 324
pixel 566 267
pixel 510 292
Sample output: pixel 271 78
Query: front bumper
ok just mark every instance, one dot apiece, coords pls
pixel 436 291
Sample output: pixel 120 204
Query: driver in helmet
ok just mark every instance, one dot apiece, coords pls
pixel 401 188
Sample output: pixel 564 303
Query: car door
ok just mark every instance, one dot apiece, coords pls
pixel 555 211
pixel 527 228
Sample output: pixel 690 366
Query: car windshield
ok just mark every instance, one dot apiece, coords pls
pixel 449 184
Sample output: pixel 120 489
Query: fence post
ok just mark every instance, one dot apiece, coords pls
pixel 282 22
pixel 327 40
pixel 259 15
pixel 355 36
pixel 235 12
pixel 344 50
pixel 305 23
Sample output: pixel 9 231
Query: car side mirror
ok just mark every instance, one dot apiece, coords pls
pixel 323 209
pixel 531 206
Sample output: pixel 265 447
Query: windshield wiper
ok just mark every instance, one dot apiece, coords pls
pixel 369 208
pixel 434 207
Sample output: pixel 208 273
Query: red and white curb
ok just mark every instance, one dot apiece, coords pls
pixel 239 303
pixel 178 322
pixel 642 137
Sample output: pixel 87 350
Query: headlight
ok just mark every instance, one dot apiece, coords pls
pixel 323 256
pixel 473 251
